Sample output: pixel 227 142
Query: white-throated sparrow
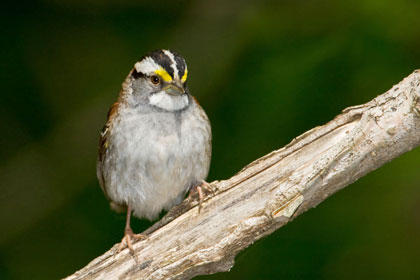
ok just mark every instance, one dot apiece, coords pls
pixel 156 143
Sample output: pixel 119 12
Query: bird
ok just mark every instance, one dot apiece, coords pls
pixel 155 146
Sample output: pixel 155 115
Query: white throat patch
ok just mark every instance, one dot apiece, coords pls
pixel 167 102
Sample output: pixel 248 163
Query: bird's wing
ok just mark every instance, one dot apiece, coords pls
pixel 103 147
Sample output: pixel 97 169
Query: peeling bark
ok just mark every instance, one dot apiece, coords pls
pixel 271 191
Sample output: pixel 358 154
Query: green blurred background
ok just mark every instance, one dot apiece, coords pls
pixel 264 71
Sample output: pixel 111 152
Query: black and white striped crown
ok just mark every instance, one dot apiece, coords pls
pixel 167 64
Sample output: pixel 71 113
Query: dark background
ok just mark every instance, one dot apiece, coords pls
pixel 264 71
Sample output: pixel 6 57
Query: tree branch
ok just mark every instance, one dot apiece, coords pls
pixel 271 191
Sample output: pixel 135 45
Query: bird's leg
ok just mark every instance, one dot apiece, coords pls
pixel 128 234
pixel 199 189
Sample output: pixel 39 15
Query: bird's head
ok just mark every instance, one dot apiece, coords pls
pixel 159 80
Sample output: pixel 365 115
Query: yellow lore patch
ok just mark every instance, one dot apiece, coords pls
pixel 184 77
pixel 164 75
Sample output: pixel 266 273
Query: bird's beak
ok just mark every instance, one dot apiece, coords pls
pixel 174 89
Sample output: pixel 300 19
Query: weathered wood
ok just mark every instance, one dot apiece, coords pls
pixel 271 191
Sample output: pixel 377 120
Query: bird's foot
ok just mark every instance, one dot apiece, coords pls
pixel 199 189
pixel 126 241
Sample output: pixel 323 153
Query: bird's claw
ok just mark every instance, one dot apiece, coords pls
pixel 126 241
pixel 199 189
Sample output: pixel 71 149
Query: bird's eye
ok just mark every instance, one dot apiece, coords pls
pixel 155 80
